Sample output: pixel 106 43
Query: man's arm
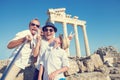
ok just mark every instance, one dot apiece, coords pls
pixel 15 43
pixel 36 50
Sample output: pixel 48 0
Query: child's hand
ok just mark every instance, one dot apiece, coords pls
pixel 71 35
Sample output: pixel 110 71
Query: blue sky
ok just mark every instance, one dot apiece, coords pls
pixel 102 17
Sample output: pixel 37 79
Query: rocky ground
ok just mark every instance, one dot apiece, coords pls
pixel 104 64
pixel 114 73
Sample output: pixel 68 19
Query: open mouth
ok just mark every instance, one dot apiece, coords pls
pixel 34 31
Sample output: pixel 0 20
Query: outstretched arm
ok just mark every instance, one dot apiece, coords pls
pixel 15 43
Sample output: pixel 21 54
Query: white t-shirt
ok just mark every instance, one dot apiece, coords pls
pixel 52 59
pixel 44 46
pixel 24 55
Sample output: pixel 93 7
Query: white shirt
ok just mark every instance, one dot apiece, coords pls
pixel 52 60
pixel 24 55
pixel 44 46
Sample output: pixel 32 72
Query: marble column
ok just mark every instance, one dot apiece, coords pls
pixel 65 29
pixel 77 45
pixel 87 49
pixel 66 35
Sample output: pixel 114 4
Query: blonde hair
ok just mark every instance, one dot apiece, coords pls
pixel 65 42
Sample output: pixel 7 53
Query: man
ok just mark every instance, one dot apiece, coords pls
pixel 50 54
pixel 22 59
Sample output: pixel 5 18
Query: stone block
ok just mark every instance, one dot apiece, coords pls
pixel 81 66
pixel 73 67
pixel 97 61
pixel 89 65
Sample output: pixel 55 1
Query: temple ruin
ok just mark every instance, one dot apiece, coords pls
pixel 59 15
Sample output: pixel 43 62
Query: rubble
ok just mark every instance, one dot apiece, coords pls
pixel 93 67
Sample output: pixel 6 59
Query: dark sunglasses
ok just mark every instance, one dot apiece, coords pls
pixel 32 24
pixel 46 30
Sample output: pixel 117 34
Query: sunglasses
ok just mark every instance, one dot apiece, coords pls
pixel 32 24
pixel 50 30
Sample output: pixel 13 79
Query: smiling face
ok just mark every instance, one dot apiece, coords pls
pixel 49 33
pixel 33 26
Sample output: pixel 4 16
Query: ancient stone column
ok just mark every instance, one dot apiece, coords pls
pixel 87 49
pixel 77 45
pixel 65 29
pixel 66 35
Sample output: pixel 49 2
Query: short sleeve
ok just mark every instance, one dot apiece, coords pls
pixel 21 34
